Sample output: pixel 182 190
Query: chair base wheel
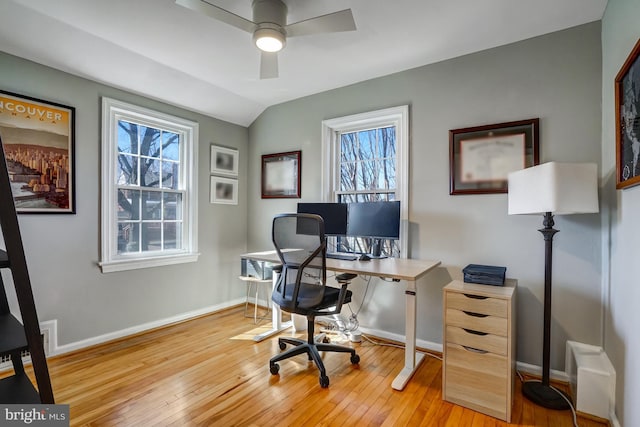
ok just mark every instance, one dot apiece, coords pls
pixel 282 345
pixel 355 359
pixel 275 368
pixel 324 381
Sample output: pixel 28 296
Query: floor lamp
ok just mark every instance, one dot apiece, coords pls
pixel 551 189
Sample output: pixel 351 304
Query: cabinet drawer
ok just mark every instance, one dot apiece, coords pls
pixel 477 304
pixel 476 380
pixel 480 323
pixel 489 342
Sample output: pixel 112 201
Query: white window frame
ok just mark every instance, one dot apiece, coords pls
pixel 112 112
pixel 394 116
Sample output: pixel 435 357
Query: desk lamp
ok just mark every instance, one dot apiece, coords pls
pixel 551 189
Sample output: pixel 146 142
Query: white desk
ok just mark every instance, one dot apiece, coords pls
pixel 408 270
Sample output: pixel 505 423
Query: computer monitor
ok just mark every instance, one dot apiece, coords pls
pixel 377 221
pixel 334 216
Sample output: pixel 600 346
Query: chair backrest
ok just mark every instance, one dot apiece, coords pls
pixel 301 246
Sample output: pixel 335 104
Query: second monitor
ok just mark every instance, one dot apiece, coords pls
pixel 334 216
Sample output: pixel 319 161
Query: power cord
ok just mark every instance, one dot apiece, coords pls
pixel 573 410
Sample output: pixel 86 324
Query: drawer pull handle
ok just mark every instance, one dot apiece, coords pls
pixel 471 331
pixel 475 350
pixel 470 313
pixel 475 296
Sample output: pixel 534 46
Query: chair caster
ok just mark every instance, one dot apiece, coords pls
pixel 282 345
pixel 324 381
pixel 355 359
pixel 275 368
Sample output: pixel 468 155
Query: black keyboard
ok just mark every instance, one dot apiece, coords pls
pixel 342 256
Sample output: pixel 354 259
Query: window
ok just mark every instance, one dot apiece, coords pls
pixel 149 210
pixel 365 159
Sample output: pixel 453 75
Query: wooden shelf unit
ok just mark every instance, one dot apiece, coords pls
pixel 479 347
pixel 15 337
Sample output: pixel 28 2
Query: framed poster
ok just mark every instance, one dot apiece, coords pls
pixel 627 92
pixel 224 161
pixel 482 157
pixel 281 175
pixel 39 142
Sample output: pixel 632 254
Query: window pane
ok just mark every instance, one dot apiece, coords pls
pixel 170 175
pixel 151 236
pixel 367 140
pixel 172 206
pixel 151 206
pixel 387 142
pixel 149 142
pixel 150 172
pixel 170 146
pixel 127 137
pixel 127 173
pixel 128 204
pixel 347 147
pixel 128 238
pixel 347 176
pixel 171 237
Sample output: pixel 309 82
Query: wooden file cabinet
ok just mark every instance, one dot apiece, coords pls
pixel 479 347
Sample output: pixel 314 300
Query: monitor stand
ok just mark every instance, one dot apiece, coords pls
pixel 376 249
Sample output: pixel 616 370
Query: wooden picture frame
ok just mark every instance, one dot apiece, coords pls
pixel 223 190
pixel 627 99
pixel 281 175
pixel 224 161
pixel 481 157
pixel 39 143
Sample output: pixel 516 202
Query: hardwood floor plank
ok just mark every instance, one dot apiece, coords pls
pixel 195 374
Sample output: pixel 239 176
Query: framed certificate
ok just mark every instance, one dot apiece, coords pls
pixel 482 157
pixel 281 175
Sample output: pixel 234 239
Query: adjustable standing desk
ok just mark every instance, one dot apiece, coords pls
pixel 408 270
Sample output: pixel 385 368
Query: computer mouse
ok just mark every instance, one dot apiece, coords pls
pixel 364 257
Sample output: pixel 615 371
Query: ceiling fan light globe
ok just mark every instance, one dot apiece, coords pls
pixel 269 40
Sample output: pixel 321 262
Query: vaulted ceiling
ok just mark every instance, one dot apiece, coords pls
pixel 170 53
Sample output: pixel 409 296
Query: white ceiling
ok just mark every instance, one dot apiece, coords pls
pixel 166 52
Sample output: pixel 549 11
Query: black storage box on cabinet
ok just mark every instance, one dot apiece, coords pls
pixel 484 274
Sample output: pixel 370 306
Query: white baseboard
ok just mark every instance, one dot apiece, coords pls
pixel 401 338
pixel 537 370
pixel 56 349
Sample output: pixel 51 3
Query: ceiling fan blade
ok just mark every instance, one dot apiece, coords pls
pixel 330 23
pixel 268 65
pixel 218 13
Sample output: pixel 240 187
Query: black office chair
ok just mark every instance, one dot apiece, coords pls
pixel 302 286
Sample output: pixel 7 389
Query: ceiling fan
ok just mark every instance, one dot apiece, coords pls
pixel 270 29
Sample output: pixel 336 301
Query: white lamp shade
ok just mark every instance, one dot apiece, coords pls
pixel 559 188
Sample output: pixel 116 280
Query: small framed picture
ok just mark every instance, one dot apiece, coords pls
pixel 627 92
pixel 224 190
pixel 281 175
pixel 481 157
pixel 224 161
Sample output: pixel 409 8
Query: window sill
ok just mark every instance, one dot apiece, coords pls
pixel 137 263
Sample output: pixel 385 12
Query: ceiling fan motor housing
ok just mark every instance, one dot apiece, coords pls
pixel 270 17
pixel 270 11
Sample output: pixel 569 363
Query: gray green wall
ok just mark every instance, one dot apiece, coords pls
pixel 621 232
pixel 63 250
pixel 557 78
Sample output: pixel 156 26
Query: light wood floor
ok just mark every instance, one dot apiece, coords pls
pixel 194 374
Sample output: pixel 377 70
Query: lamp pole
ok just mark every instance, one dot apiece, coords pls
pixel 542 393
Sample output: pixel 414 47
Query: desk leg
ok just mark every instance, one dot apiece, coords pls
pixel 412 359
pixel 276 319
